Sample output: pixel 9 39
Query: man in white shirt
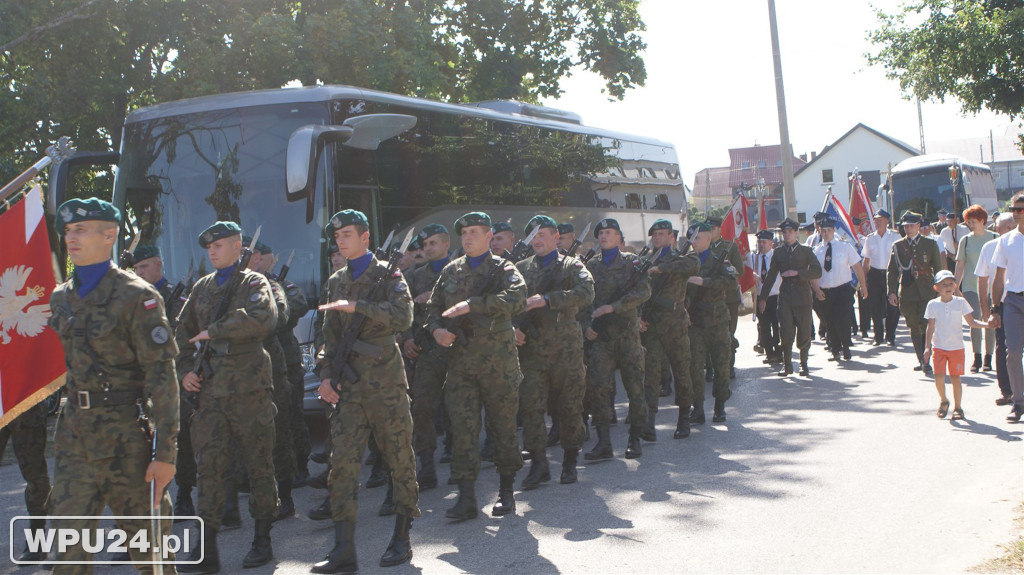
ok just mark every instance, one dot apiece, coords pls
pixel 1008 260
pixel 876 250
pixel 985 271
pixel 835 287
pixel 768 321
pixel 951 235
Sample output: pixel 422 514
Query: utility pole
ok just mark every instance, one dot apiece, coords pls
pixel 788 190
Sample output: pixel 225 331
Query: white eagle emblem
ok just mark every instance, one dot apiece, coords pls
pixel 16 312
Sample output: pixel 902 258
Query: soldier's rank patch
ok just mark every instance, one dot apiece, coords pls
pixel 578 264
pixel 400 287
pixel 513 277
pixel 583 275
pixel 149 304
pixel 159 335
pixel 254 297
pixel 81 212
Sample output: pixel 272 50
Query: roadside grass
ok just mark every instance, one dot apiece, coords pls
pixel 1012 560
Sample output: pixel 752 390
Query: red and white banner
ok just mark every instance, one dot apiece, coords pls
pixel 762 215
pixel 31 355
pixel 860 205
pixel 734 228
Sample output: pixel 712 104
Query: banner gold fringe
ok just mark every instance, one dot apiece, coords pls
pixel 32 400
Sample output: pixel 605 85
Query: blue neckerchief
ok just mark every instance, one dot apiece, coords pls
pixel 359 265
pixel 704 256
pixel 664 252
pixel 608 256
pixel 544 261
pixel 88 277
pixel 224 274
pixel 439 265
pixel 473 262
pixel 161 283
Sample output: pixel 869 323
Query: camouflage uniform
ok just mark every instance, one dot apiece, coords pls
pixel 27 434
pixel 552 357
pixel 284 457
pixel 378 401
pixel 185 471
pixel 483 368
pixel 709 328
pixel 236 399
pixel 118 349
pixel 298 307
pixel 732 297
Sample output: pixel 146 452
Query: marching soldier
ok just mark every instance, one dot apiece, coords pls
pixel 914 262
pixel 665 327
pixel 709 332
pixel 732 295
pixel 566 236
pixel 366 383
pixel 503 239
pixel 767 321
pixel 431 360
pixel 620 288
pixel 797 266
pixel 235 411
pixel 485 292
pixel 551 354
pixel 120 356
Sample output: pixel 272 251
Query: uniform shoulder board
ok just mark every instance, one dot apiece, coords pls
pixel 509 267
pixel 397 274
pixel 578 263
pixel 254 282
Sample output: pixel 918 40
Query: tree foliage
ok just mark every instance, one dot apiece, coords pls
pixel 972 50
pixel 77 67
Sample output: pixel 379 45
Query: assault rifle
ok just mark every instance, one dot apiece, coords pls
pixel 600 324
pixel 341 364
pixel 284 269
pixel 201 365
pixel 127 258
pixel 183 284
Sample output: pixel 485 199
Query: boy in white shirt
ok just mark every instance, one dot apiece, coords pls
pixel 945 335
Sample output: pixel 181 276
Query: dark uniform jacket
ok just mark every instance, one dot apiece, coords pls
pixel 568 287
pixel 735 259
pixel 794 291
pixel 707 302
pixel 912 268
pixel 422 280
pixel 668 288
pixel 609 283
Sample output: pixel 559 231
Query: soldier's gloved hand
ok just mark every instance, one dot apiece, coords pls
pixel 327 392
pixel 201 336
pixel 443 337
pixel 163 473
pixel 535 301
pixel 411 350
pixel 520 336
pixel 590 334
pixel 603 310
pixel 192 382
pixel 461 308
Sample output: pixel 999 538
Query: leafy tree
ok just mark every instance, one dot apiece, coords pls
pixel 972 50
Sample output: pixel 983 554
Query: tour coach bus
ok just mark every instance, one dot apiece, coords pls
pixel 925 184
pixel 183 165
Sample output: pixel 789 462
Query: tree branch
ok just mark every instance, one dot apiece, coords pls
pixel 38 31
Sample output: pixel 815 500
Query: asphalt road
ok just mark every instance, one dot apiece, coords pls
pixel 845 471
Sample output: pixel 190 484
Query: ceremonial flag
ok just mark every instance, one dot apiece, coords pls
pixel 734 228
pixel 844 225
pixel 860 205
pixel 762 216
pixel 31 355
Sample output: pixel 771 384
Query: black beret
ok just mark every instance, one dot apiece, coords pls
pixel 76 210
pixel 345 218
pixel 697 227
pixel 144 252
pixel 218 231
pixel 566 228
pixel 430 230
pixel 661 224
pixel 332 248
pixel 542 221
pixel 607 224
pixel 472 219
pixel 416 244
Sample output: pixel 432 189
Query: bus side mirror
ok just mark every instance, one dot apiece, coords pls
pixel 60 174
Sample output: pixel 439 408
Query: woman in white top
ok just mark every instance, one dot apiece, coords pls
pixel 968 252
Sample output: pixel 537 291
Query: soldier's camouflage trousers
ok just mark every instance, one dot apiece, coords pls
pixel 427 390
pixel 667 341
pixel 624 352
pixel 301 445
pixel 716 341
pixel 185 470
pixel 248 419
pixel 284 455
pixel 553 376
pixel 27 434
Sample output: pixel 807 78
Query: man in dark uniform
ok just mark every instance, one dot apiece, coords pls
pixel 664 325
pixel 767 321
pixel 486 292
pixel 120 357
pixel 732 296
pixel 551 351
pixel 371 302
pixel 797 266
pixel 235 411
pixel 913 264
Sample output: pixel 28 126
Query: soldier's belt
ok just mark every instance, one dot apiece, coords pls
pixel 666 303
pixel 368 349
pixel 94 399
pixel 221 347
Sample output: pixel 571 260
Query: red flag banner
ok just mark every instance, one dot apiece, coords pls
pixel 860 206
pixel 762 215
pixel 734 228
pixel 31 355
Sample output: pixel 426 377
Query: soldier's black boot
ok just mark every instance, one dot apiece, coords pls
pixel 682 423
pixel 427 477
pixel 261 552
pixel 231 518
pixel 976 366
pixel 569 467
pixel 804 370
pixel 987 365
pixel 634 449
pixel 399 549
pixel 378 475
pixel 506 496
pixel 284 493
pixel 603 448
pixel 342 558
pixel 787 364
pixel 183 503
pixel 321 512
pixel 539 471
pixel 719 416
pixel 207 552
pixel 319 456
pixel 36 525
pixel 465 507
pixel 697 415
pixel 319 481
pixel 649 432
pixel 388 506
pixel 555 434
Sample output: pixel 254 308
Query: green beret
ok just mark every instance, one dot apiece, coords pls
pixel 472 219
pixel 219 230
pixel 714 221
pixel 659 225
pixel 788 224
pixel 541 221
pixel 76 210
pixel 430 230
pixel 345 218
pixel 566 228
pixel 502 227
pixel 607 224
pixel 416 244
pixel 696 228
pixel 910 217
pixel 144 252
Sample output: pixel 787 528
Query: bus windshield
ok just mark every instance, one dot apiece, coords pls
pixel 179 174
pixel 925 192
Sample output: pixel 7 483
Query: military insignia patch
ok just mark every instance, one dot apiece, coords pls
pixel 578 264
pixel 401 287
pixel 159 335
pixel 254 297
pixel 149 304
pixel 336 222
pixel 65 214
pixel 513 277
pixel 583 275
pixel 208 237
pixel 81 212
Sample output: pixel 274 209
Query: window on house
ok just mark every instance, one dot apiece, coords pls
pixel 744 165
pixel 826 176
pixel 762 164
pixel 778 163
pixel 801 217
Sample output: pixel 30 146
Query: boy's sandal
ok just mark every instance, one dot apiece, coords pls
pixel 943 410
pixel 957 414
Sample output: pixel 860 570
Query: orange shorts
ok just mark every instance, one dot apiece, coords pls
pixel 954 359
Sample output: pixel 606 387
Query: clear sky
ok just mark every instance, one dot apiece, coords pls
pixel 710 83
